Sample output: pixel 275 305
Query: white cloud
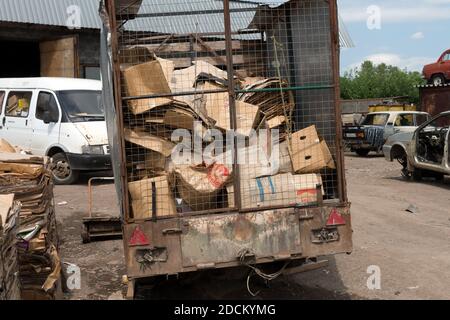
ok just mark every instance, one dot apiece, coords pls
pixel 418 36
pixel 396 11
pixel 409 63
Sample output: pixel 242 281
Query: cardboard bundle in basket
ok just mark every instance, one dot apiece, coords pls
pixel 29 179
pixel 9 221
pixel 274 103
pixel 310 154
pixel 158 187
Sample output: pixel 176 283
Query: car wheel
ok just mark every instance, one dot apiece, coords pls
pixel 62 173
pixel 362 152
pixel 417 175
pixel 439 176
pixel 438 80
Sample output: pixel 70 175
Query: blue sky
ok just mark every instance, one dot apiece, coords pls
pixel 412 32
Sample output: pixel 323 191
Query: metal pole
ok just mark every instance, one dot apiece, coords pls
pixel 232 101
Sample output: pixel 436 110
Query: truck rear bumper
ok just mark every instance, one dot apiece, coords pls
pixel 178 245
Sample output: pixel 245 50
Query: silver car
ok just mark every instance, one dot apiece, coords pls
pixel 425 152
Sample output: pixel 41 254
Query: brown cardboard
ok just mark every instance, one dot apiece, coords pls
pixel 199 186
pixel 304 138
pixel 149 141
pixel 148 78
pixel 141 198
pixel 309 154
pixel 313 159
pixel 280 190
pixel 6 147
pixel 218 108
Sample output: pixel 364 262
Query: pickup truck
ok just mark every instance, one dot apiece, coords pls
pixel 438 73
pixel 377 127
pixel 424 152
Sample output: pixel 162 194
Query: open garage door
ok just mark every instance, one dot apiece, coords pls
pixel 59 58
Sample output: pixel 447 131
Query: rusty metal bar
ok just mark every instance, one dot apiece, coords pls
pixel 90 191
pixel 118 105
pixel 176 94
pixel 334 30
pixel 232 101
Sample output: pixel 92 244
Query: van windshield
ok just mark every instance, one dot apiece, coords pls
pixel 82 105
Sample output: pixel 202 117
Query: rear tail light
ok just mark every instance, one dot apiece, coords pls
pixel 361 135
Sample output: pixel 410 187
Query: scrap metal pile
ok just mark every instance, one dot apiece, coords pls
pixel 9 220
pixel 165 105
pixel 29 179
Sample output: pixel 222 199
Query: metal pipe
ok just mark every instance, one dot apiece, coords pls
pixel 188 93
pixel 301 88
pixel 231 99
pixel 90 191
pixel 176 94
pixel 191 13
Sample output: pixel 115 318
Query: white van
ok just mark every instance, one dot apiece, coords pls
pixel 58 117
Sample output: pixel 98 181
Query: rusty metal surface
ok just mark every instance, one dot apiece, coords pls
pixel 184 244
pixel 220 239
pixel 197 243
pixel 434 100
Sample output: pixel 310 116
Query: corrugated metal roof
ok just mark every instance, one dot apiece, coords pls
pixel 50 12
pixel 57 13
pixel 196 20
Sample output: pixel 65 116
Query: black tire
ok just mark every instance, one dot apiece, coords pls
pixel 438 80
pixel 417 175
pixel 362 152
pixel 62 173
pixel 439 176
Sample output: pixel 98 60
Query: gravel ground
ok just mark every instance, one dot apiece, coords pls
pixel 412 251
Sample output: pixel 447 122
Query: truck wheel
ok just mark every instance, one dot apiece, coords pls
pixel 438 80
pixel 62 173
pixel 362 152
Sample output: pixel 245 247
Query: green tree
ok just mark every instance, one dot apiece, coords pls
pixel 380 81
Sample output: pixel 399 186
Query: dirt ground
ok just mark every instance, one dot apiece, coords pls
pixel 411 250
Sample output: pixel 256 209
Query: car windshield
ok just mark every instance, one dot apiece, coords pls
pixel 375 120
pixel 82 105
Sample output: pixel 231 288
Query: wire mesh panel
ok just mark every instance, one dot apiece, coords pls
pixel 227 105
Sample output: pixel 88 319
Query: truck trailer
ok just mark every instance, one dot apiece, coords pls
pixel 224 124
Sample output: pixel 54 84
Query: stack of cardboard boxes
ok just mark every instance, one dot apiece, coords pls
pixel 162 124
pixel 9 220
pixel 29 179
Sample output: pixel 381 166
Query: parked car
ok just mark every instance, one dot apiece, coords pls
pixel 377 127
pixel 396 148
pixel 438 73
pixel 425 152
pixel 428 152
pixel 57 117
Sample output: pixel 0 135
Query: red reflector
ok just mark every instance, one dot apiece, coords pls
pixel 335 219
pixel 138 238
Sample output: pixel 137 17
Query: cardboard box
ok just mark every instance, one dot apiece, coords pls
pixel 200 186
pixel 218 108
pixel 149 141
pixel 309 154
pixel 5 147
pixel 148 78
pixel 280 190
pixel 141 193
pixel 313 159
